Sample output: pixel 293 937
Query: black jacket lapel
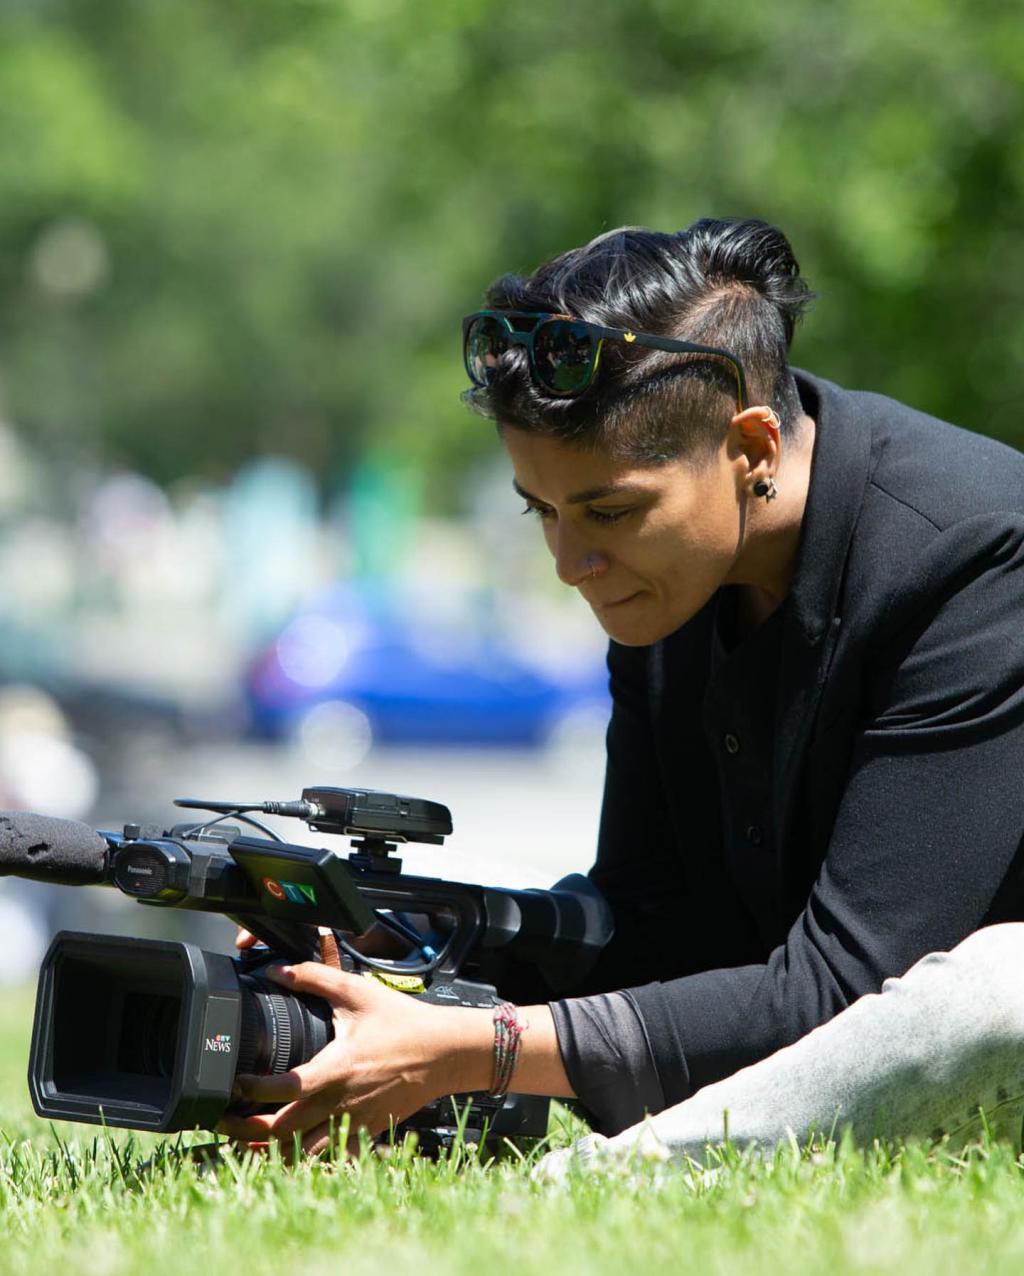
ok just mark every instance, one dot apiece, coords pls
pixel 839 473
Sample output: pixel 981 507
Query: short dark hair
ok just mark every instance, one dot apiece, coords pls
pixel 729 283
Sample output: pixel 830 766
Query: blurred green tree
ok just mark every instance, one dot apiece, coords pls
pixel 254 225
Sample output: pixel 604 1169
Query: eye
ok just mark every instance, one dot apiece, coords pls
pixel 607 516
pixel 542 511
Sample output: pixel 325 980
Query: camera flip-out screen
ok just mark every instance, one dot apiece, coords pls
pixel 297 884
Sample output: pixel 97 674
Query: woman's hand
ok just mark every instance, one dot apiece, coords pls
pixel 390 1055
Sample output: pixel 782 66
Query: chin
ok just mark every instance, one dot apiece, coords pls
pixel 634 639
pixel 638 626
pixel 633 632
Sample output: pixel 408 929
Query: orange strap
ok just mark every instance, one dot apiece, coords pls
pixel 329 954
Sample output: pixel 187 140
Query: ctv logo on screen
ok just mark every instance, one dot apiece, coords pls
pixel 290 892
pixel 220 1044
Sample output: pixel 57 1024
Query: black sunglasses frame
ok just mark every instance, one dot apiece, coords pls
pixel 525 337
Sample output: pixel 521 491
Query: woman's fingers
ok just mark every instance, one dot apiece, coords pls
pixel 323 1140
pixel 294 1118
pixel 319 1140
pixel 313 977
pixel 306 1079
pixel 244 939
pixel 299 1118
pixel 326 1139
pixel 262 1126
pixel 240 1129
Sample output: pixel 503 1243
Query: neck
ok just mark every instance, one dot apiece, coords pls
pixel 770 530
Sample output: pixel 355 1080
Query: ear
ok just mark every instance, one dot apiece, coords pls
pixel 755 440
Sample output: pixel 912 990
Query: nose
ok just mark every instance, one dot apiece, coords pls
pixel 575 562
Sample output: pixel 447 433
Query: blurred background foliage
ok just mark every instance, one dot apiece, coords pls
pixel 249 537
pixel 253 225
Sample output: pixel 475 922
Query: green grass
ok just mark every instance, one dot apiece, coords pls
pixel 74 1202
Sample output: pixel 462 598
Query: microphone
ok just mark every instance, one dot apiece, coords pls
pixel 46 849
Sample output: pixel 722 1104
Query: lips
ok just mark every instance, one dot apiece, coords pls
pixel 617 603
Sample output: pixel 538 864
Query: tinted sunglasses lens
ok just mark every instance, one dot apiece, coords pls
pixel 486 342
pixel 563 355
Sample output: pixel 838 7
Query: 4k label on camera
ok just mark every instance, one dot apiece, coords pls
pixel 292 892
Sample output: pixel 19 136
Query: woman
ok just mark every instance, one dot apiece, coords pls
pixel 815 601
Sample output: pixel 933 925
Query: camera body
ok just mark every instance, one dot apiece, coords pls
pixel 136 1033
pixel 150 1034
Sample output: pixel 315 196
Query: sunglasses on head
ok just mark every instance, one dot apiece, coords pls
pixel 563 352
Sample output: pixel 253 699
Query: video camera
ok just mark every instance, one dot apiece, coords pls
pixel 150 1034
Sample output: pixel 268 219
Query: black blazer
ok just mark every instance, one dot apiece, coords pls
pixel 898 783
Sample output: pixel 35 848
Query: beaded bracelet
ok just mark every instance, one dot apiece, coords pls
pixel 508 1035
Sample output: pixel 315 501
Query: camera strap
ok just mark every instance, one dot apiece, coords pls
pixel 329 954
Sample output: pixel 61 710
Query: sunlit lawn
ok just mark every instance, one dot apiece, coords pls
pixel 75 1202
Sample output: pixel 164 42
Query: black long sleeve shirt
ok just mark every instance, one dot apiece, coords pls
pixel 878 778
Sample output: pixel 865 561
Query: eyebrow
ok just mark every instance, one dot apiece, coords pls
pixel 591 494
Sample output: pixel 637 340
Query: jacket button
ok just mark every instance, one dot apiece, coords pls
pixel 754 835
pixel 732 744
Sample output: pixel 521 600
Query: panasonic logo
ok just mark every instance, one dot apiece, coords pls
pixel 140 870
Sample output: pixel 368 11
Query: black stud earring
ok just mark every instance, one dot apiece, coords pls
pixel 766 488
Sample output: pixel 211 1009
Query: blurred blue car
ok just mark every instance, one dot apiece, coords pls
pixel 417 668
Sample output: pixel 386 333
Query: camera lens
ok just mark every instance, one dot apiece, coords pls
pixel 279 1029
pixel 149 1034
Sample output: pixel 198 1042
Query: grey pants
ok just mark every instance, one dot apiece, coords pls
pixel 937 1052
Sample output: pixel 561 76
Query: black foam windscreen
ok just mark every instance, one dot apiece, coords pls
pixel 46 849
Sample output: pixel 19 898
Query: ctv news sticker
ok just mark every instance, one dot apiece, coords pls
pixel 220 1044
pixel 292 892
